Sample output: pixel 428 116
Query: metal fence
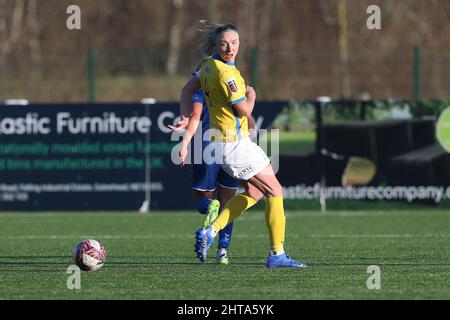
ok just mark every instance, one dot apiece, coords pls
pixel 277 73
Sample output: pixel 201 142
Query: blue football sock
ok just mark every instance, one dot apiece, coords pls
pixel 202 205
pixel 225 236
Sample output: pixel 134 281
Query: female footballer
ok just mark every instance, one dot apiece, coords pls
pixel 207 177
pixel 230 103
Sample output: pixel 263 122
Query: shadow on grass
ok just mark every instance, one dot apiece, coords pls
pixel 160 262
pixel 171 263
pixel 35 264
pixel 33 257
pixel 130 262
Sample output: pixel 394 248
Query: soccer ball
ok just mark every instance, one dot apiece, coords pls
pixel 89 255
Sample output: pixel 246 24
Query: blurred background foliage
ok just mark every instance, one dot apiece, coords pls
pixel 290 49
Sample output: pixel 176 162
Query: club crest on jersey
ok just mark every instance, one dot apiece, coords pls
pixel 232 85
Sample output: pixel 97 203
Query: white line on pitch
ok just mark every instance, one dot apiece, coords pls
pixel 187 236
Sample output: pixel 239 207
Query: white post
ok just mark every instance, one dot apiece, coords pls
pixel 145 207
pixel 16 102
pixel 323 183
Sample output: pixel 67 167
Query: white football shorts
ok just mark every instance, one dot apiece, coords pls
pixel 242 159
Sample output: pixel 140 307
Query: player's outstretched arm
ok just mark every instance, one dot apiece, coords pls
pixel 185 103
pixel 252 130
pixel 251 122
pixel 191 128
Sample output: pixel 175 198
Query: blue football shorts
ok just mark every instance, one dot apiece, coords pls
pixel 206 177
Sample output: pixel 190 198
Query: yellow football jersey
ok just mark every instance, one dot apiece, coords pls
pixel 223 86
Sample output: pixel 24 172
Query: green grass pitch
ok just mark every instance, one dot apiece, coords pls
pixel 150 256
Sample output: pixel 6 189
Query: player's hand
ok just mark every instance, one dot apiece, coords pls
pixel 182 155
pixel 180 125
pixel 250 93
pixel 253 135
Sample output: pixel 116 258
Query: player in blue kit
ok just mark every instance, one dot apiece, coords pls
pixel 208 179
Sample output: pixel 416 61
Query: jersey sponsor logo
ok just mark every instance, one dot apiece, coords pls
pixel 232 85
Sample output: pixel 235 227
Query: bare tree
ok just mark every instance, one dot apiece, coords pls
pixel 265 25
pixel 34 43
pixel 12 35
pixel 175 37
pixel 346 89
pixel 336 15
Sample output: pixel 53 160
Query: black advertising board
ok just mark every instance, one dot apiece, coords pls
pixel 95 156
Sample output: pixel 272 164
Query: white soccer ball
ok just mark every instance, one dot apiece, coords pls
pixel 89 255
